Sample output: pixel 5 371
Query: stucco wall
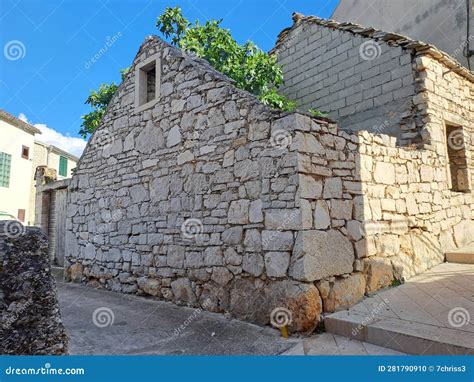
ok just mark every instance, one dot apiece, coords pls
pixel 17 195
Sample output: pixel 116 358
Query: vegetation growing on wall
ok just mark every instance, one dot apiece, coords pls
pixel 251 68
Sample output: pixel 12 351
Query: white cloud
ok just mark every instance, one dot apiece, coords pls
pixel 50 136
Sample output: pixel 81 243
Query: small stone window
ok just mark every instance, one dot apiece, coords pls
pixel 456 146
pixel 147 83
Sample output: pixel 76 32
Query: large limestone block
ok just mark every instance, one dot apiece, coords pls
pixel 183 292
pixel 239 212
pixel 384 173
pixel 249 301
pixel 319 254
pixel 150 286
pixel 283 219
pixel 310 188
pixel 464 232
pixel 379 273
pixel 342 293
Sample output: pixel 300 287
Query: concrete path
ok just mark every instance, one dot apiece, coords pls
pixel 432 313
pixel 124 324
pixel 104 322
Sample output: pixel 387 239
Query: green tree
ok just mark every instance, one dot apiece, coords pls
pixel 251 68
pixel 98 101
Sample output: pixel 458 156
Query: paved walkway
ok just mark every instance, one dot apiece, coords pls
pixel 432 313
pixel 125 324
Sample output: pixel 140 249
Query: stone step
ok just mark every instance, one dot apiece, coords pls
pixel 401 335
pixel 463 255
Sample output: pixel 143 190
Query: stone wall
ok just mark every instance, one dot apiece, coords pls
pixel 363 83
pixel 184 201
pixel 30 319
pixel 209 198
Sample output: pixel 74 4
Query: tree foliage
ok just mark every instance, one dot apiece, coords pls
pixel 251 68
pixel 98 100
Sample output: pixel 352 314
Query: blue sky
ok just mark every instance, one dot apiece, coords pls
pixel 45 68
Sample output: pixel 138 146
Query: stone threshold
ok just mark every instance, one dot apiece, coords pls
pixel 401 335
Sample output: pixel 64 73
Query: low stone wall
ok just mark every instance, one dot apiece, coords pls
pixel 30 318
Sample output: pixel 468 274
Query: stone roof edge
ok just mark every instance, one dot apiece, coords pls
pixel 421 48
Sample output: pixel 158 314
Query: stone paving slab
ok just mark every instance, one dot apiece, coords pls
pixel 464 255
pixel 332 344
pixel 144 326
pixel 430 314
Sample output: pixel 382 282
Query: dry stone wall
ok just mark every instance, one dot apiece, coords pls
pixel 29 311
pixel 211 199
pixel 193 201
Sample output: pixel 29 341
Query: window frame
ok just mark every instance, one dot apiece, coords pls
pixel 63 159
pixel 23 149
pixel 141 70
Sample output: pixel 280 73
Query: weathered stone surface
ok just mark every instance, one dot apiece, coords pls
pixel 239 212
pixel 379 273
pixel 232 235
pixel 332 188
pixel 208 151
pixel 174 137
pixel 150 286
pixel 182 291
pixel 253 264
pixel 322 220
pixel 283 219
pixel 276 263
pixel 30 318
pixel 384 173
pixel 341 293
pixel 277 240
pixel 221 275
pixel 310 188
pixel 319 254
pixel 249 302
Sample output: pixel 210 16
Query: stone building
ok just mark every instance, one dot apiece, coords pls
pixel 193 191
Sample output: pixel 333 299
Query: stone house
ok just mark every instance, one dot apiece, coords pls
pixel 194 192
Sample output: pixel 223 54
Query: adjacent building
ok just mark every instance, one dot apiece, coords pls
pixel 447 24
pixel 20 156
